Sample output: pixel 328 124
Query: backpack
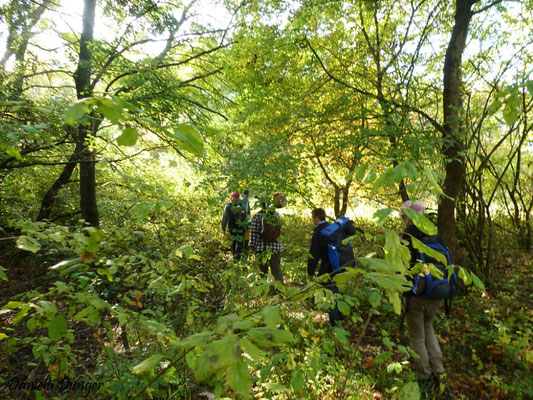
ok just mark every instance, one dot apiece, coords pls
pixel 340 255
pixel 271 229
pixel 428 286
pixel 237 216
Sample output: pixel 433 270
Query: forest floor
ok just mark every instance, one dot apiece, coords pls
pixel 486 341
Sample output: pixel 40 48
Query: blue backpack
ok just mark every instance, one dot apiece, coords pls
pixel 340 255
pixel 428 286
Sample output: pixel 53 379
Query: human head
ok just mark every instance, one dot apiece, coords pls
pixel 246 193
pixel 234 196
pixel 318 215
pixel 279 200
pixel 417 206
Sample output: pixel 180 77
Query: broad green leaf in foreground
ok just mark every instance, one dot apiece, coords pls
pixel 76 112
pixel 28 243
pixel 269 337
pixel 239 379
pixel 147 365
pixel 57 327
pixel 421 221
pixel 421 247
pixel 189 138
pixel 128 138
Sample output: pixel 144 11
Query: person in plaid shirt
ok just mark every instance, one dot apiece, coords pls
pixel 259 244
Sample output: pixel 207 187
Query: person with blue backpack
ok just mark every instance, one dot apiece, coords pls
pixel 328 249
pixel 423 301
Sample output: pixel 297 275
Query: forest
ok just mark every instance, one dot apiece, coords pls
pixel 127 129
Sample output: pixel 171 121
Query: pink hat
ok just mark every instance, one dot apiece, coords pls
pixel 417 206
pixel 234 196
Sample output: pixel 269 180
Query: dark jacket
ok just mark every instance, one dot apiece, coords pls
pixel 319 251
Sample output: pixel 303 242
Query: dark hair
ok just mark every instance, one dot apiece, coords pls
pixel 319 213
pixel 246 192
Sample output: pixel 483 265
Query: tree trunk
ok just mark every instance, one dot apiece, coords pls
pixel 453 136
pixel 50 196
pixel 17 43
pixel 82 77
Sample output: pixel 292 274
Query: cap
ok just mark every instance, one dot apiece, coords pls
pixel 417 206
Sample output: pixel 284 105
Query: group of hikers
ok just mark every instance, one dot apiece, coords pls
pixel 328 247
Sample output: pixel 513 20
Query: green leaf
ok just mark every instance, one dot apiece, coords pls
pixel 421 247
pixel 64 264
pixel 111 110
pixel 31 324
pixel 11 151
pixel 494 106
pixel 383 357
pixel 49 307
pixel 3 336
pixel 57 327
pixel 344 308
pixel 125 104
pixel 3 274
pixel 378 264
pixel 186 250
pixel 465 276
pixel 421 221
pixel 382 215
pixel 477 282
pixel 194 340
pixel 24 309
pixel 271 316
pixel 374 299
pixel 297 381
pixel 28 243
pixel 189 138
pixel 412 172
pixel 274 387
pixel 409 391
pixel 510 113
pixel 349 176
pixel 219 354
pixel 395 301
pixel 395 283
pixel 239 379
pixel 76 112
pixel 147 365
pixel 360 174
pixel 370 176
pixel 128 138
pixel 269 337
pixel 433 180
pixel 251 349
pixel 141 211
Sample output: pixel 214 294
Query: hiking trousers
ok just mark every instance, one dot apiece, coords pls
pixel 275 266
pixel 419 317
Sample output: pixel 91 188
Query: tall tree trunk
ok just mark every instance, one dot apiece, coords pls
pixel 82 77
pixel 50 196
pixel 454 137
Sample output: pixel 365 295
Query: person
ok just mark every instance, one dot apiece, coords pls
pixel 420 312
pixel 234 218
pixel 319 253
pixel 265 233
pixel 246 201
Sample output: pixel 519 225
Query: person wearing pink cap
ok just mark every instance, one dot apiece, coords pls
pixel 420 312
pixel 235 218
